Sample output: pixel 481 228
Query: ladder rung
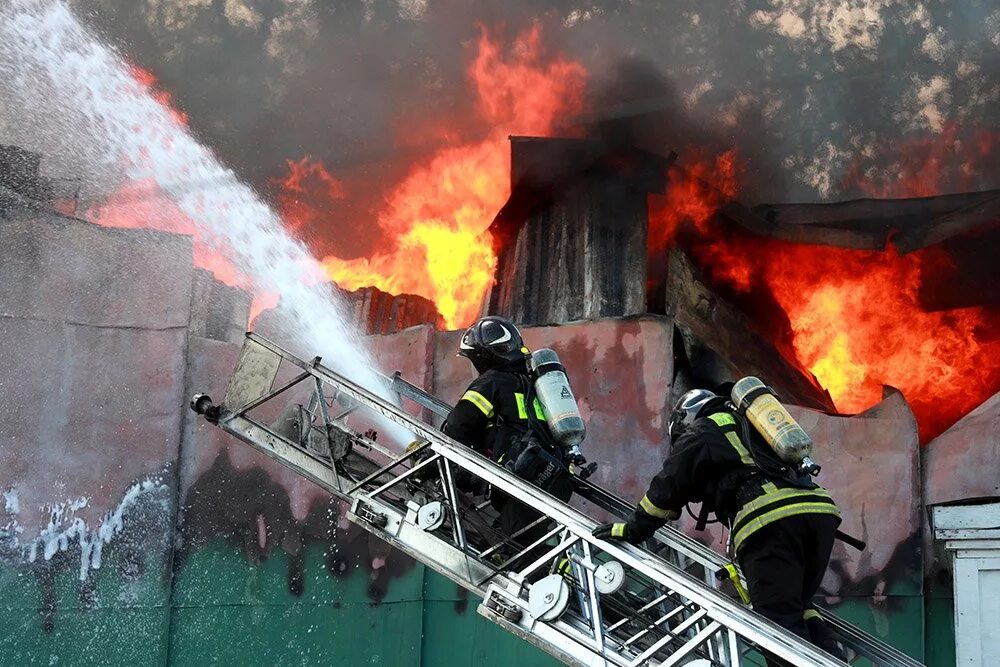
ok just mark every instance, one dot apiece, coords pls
pixel 654 590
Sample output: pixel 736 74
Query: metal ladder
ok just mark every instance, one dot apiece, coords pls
pixel 583 600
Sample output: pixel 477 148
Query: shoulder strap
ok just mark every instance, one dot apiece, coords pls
pixel 767 462
pixel 702 520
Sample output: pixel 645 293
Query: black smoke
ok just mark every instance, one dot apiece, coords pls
pixel 370 87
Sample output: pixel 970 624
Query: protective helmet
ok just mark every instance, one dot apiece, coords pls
pixel 687 408
pixel 492 342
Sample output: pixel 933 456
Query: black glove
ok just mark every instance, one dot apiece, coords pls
pixel 575 457
pixel 616 532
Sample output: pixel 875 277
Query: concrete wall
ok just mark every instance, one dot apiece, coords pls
pixel 93 339
pixel 133 533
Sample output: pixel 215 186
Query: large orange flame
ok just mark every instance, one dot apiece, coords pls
pixel 858 324
pixel 856 316
pixel 439 212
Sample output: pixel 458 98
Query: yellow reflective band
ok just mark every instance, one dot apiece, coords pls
pixel 734 577
pixel 770 517
pixel 811 614
pixel 539 413
pixel 783 494
pixel 618 530
pixel 479 401
pixel 521 411
pixel 649 508
pixel 769 487
pixel 722 419
pixel 745 457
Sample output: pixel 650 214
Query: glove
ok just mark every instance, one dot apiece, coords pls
pixel 616 532
pixel 575 457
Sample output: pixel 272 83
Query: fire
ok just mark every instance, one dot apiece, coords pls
pixel 305 191
pixel 857 322
pixel 145 78
pixel 696 190
pixel 439 212
pixel 141 204
pixel 924 166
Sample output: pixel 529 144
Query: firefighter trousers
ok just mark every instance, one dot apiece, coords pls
pixel 784 563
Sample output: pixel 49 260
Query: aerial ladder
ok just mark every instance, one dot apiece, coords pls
pixel 585 601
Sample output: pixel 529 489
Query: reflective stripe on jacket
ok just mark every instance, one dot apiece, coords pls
pixel 710 463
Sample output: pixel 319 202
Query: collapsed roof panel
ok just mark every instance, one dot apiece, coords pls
pixel 723 345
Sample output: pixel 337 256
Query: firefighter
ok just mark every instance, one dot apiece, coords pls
pixel 781 524
pixel 499 417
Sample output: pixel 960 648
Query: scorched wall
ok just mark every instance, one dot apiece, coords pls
pixel 132 532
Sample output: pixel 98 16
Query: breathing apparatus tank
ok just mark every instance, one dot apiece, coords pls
pixel 554 393
pixel 759 404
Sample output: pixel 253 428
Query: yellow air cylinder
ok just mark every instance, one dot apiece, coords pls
pixel 761 407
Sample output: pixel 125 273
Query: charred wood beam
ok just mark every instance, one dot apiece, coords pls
pixel 847 212
pixel 855 239
pixel 722 344
pixel 975 215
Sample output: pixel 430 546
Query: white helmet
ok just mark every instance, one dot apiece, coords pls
pixel 687 408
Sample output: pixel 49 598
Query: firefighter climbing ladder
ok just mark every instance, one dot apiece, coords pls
pixel 583 600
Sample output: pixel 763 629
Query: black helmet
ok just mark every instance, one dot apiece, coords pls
pixel 687 408
pixel 493 342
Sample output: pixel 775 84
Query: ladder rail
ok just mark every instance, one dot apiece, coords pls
pixel 675 540
pixel 758 629
pixel 380 488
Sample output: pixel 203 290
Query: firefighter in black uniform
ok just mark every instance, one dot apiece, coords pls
pixel 499 417
pixel 781 524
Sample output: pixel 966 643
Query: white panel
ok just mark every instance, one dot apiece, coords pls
pixel 989 611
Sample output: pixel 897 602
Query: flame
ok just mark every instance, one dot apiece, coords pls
pixel 439 212
pixel 142 205
pixel 305 193
pixel 695 193
pixel 924 166
pixel 146 79
pixel 857 322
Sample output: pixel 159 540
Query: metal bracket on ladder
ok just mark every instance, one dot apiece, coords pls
pixel 585 601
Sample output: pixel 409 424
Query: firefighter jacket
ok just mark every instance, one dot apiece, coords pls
pixel 741 482
pixel 494 412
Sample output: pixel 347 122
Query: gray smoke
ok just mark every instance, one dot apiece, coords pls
pixel 805 89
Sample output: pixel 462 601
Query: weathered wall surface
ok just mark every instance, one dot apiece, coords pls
pixel 132 532
pixel 960 463
pixel 92 358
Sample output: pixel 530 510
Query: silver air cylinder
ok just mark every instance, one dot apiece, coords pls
pixel 554 393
